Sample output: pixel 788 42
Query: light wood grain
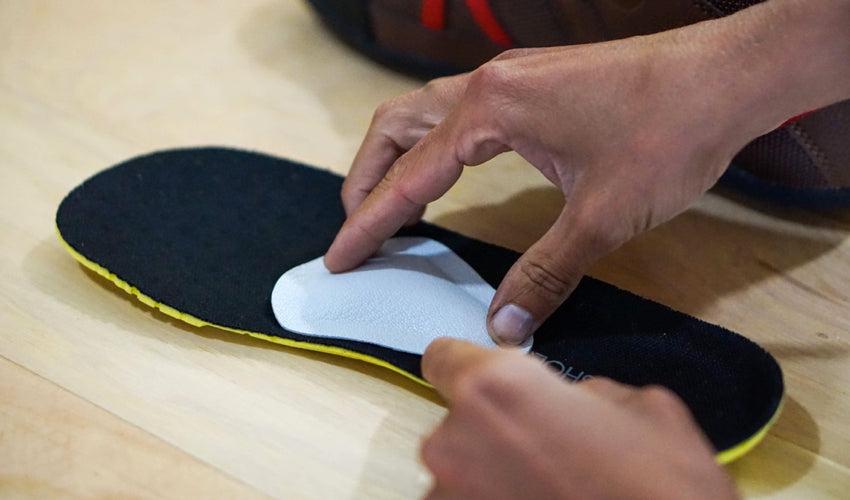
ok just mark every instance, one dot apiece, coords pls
pixel 85 85
pixel 55 444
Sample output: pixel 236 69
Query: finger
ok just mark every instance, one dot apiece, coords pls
pixel 663 405
pixel 416 218
pixel 376 155
pixel 446 360
pixel 460 456
pixel 607 388
pixel 420 176
pixel 396 127
pixel 539 281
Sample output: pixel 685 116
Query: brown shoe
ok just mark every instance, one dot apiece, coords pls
pixel 432 37
pixel 806 162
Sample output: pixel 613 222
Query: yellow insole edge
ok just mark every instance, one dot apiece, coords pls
pixel 723 457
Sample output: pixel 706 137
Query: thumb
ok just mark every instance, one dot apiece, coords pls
pixel 539 282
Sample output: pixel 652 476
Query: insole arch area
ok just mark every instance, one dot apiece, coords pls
pixel 411 292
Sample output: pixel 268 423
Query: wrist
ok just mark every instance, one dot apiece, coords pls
pixel 766 64
pixel 797 53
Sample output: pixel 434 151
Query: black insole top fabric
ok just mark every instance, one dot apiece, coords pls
pixel 209 231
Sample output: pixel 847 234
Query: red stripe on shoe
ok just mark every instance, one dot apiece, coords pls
pixel 797 118
pixel 433 14
pixel 486 20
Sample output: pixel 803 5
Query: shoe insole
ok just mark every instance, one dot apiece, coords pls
pixel 412 291
pixel 205 234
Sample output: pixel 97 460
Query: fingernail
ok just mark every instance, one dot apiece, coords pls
pixel 512 324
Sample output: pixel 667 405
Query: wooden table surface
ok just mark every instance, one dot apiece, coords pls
pixel 101 396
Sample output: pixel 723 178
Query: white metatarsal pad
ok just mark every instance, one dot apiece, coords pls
pixel 413 291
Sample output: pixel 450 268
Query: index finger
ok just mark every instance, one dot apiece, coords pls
pixel 446 359
pixel 376 155
pixel 419 177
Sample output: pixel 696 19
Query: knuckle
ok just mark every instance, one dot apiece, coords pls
pixel 433 86
pixel 476 140
pixel 383 111
pixel 439 454
pixel 437 349
pixel 547 277
pixel 365 231
pixel 431 451
pixel 434 358
pixel 402 192
pixel 598 384
pixel 489 384
pixel 663 399
pixel 511 54
pixel 597 237
pixel 391 180
pixel 470 390
pixel 492 77
pixel 598 231
pixel 348 189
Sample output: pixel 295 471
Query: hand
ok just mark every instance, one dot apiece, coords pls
pixel 597 121
pixel 516 430
pixel 631 131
